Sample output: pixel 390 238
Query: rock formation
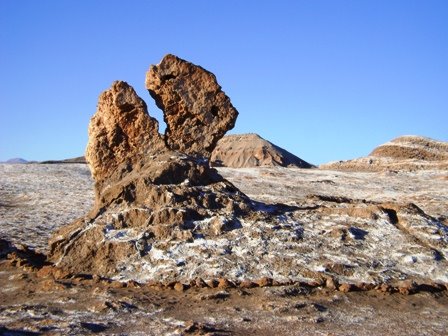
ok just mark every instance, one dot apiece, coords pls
pixel 146 190
pixel 251 150
pixel 120 132
pixel 403 153
pixel 196 110
pixel 162 214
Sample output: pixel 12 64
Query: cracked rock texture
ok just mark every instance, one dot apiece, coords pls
pixel 197 112
pixel 120 132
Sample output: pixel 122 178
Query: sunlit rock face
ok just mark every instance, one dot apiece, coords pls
pixel 197 112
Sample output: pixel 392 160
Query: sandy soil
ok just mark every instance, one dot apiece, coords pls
pixel 36 199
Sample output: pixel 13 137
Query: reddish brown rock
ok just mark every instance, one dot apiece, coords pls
pixel 247 284
pixel 331 283
pixel 180 287
pixel 346 287
pixel 407 287
pixel 120 132
pixel 197 112
pixel 224 283
pixel 264 282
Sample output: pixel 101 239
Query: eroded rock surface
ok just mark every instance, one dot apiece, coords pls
pixel 197 112
pixel 147 191
pixel 120 132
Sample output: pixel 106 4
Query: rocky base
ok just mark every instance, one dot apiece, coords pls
pixel 160 201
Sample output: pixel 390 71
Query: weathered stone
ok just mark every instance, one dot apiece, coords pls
pixel 407 287
pixel 247 284
pixel 345 287
pixel 331 283
pixel 264 282
pixel 224 283
pixel 197 112
pixel 180 287
pixel 120 131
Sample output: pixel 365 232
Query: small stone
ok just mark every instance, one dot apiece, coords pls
pixel 318 319
pixel 384 288
pixel 407 287
pixel 199 283
pixel 224 283
pixel 331 283
pixel 345 287
pixel 45 272
pixel 247 284
pixel 180 287
pixel 264 282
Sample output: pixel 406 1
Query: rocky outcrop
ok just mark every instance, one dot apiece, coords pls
pixel 163 215
pixel 197 112
pixel 406 153
pixel 120 132
pixel 251 150
pixel 147 190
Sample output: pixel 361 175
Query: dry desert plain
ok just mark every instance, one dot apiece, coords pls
pixel 383 235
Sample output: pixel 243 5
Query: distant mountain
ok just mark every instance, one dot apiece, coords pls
pixel 79 159
pixel 16 161
pixel 251 150
pixel 409 152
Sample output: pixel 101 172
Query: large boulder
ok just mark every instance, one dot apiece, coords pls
pixel 197 112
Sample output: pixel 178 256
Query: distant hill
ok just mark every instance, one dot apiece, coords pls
pixel 409 152
pixel 251 150
pixel 79 159
pixel 16 161
pixel 238 151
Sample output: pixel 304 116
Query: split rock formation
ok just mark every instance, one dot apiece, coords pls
pixel 162 214
pixel 150 186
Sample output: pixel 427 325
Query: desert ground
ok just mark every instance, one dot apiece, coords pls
pixel 36 199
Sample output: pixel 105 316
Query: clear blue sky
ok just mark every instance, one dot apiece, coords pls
pixel 326 80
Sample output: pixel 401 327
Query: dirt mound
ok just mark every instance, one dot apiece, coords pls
pixel 413 148
pixel 251 150
pixel 403 153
